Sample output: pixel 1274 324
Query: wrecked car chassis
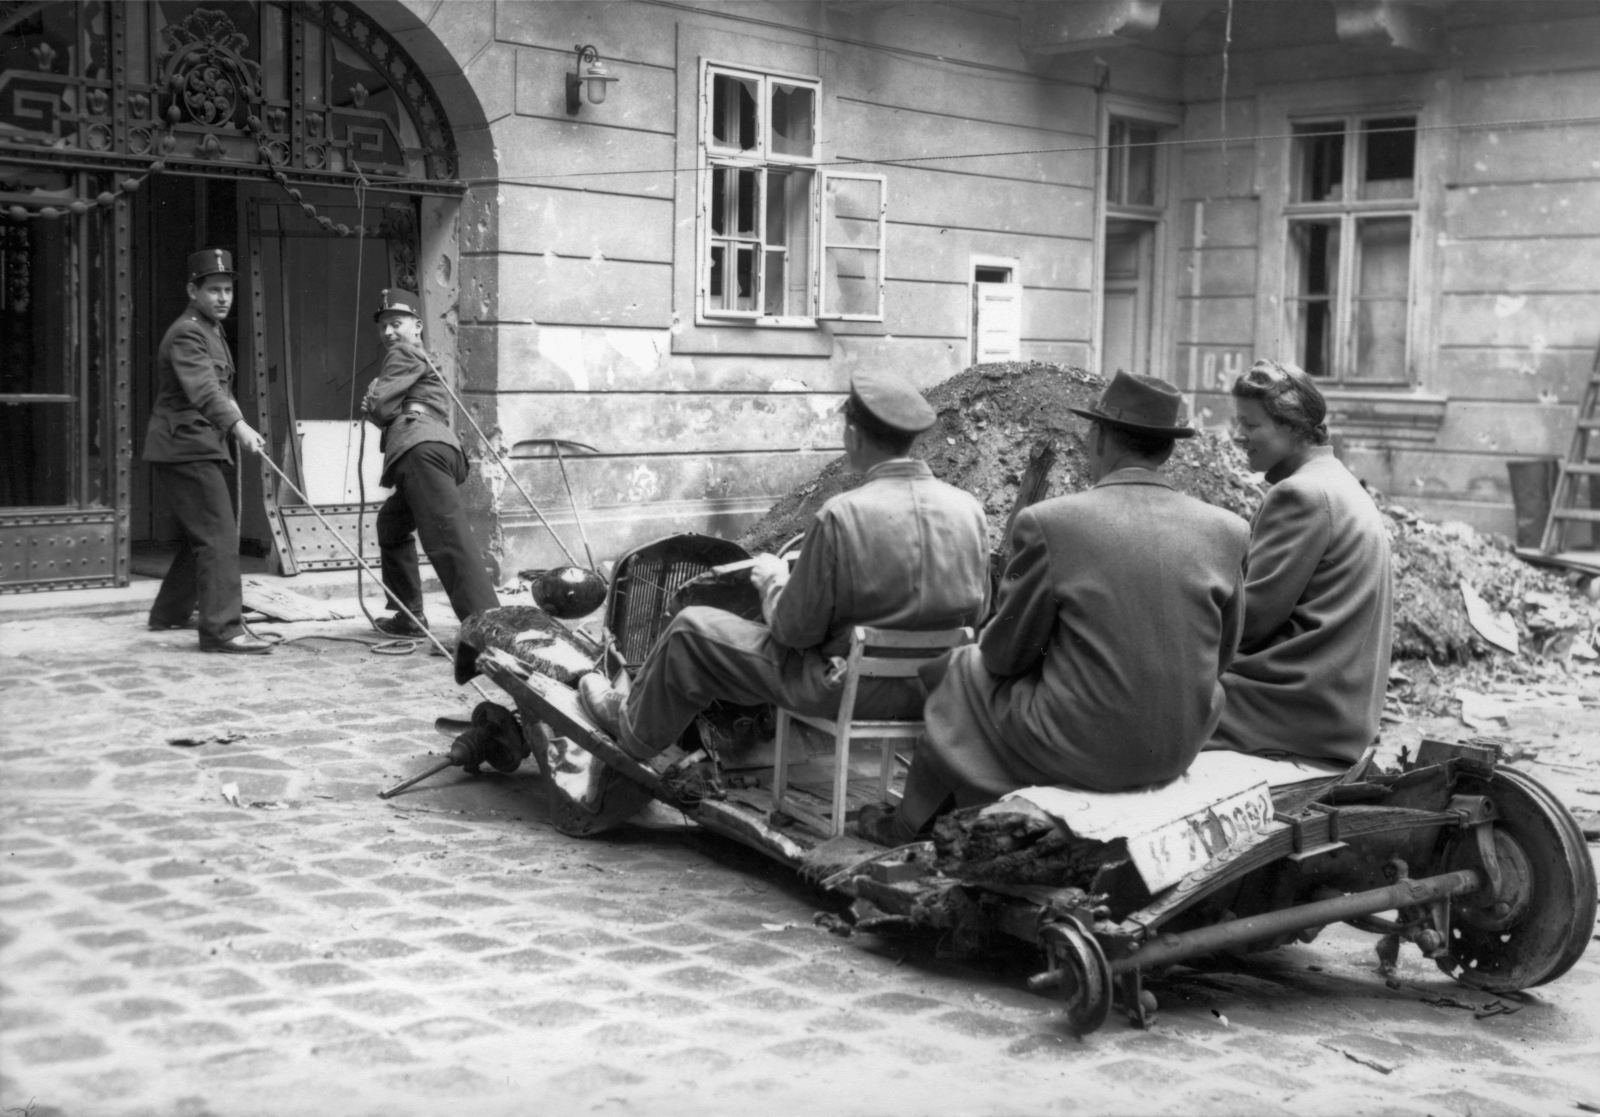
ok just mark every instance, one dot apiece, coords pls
pixel 1484 870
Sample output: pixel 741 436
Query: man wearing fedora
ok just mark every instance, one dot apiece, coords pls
pixel 186 445
pixel 424 464
pixel 903 550
pixel 1117 614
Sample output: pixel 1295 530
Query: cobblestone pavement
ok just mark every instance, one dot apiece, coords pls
pixel 317 950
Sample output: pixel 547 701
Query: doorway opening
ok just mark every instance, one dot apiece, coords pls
pixel 996 324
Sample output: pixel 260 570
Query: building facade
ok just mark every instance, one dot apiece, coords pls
pixel 667 253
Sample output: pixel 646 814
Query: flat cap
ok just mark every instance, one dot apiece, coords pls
pixel 210 261
pixel 396 301
pixel 892 402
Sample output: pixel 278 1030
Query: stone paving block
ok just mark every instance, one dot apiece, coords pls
pixel 380 1002
pixel 968 1023
pixel 821 977
pixel 102 939
pixel 159 958
pixel 448 1029
pixel 14 1018
pixel 643 956
pixel 170 911
pixel 546 1014
pixel 755 955
pixel 217 984
pixel 138 1008
pixel 174 870
pixel 350 901
pixel 272 952
pixel 702 978
pixel 317 975
pixel 585 1081
pixel 366 1051
pixel 228 929
pixel 769 1001
pixel 181 1035
pixel 468 943
pixel 366 949
pixel 71 1047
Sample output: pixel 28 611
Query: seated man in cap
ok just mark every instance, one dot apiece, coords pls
pixel 186 444
pixel 904 550
pixel 1118 612
pixel 424 464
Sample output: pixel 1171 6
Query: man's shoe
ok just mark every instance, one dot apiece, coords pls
pixel 400 625
pixel 170 626
pixel 601 701
pixel 239 645
pixel 878 823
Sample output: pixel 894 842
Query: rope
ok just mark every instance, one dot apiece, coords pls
pixel 361 563
pixel 1227 43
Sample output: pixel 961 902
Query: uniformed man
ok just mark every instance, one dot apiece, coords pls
pixel 186 445
pixel 424 464
pixel 904 550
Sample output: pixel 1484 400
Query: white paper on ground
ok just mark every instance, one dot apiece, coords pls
pixel 1498 629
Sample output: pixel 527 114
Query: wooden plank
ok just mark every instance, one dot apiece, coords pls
pixel 1527 45
pixel 1507 428
pixel 633 32
pixel 642 99
pixel 893 80
pixel 580 157
pixel 1524 210
pixel 867 131
pixel 1488 157
pixel 535 219
pixel 1219 321
pixel 1514 266
pixel 941 253
pixel 564 291
pixel 1220 271
pixel 673 422
pixel 1534 321
pixel 1226 222
pixel 1206 176
pixel 974 202
pixel 1520 374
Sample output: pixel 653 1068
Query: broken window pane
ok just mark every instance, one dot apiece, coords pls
pixel 1382 290
pixel 774 291
pixel 1319 162
pixel 1314 264
pixel 744 278
pixel 1391 156
pixel 793 111
pixel 733 111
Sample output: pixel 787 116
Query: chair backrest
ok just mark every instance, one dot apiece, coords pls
pixel 902 652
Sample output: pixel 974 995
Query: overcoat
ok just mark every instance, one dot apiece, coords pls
pixel 194 408
pixel 1119 610
pixel 1313 664
pixel 408 399
pixel 904 550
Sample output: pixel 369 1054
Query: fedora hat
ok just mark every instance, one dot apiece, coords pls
pixel 1143 404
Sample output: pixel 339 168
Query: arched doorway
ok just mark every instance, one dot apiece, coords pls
pixel 132 133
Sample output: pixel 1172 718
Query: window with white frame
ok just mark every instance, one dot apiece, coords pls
pixel 782 241
pixel 1351 216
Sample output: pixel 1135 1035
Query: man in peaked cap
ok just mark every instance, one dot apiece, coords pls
pixel 186 444
pixel 903 550
pixel 1118 612
pixel 424 464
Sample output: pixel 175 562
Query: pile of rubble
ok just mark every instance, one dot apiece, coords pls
pixel 991 417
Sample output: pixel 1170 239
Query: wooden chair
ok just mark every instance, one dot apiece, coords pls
pixel 907 651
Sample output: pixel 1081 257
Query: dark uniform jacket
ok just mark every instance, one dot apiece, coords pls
pixel 1313 664
pixel 1101 668
pixel 194 408
pixel 410 402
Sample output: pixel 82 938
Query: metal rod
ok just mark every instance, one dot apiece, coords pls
pixel 576 518
pixel 403 784
pixel 510 476
pixel 362 563
pixel 1166 949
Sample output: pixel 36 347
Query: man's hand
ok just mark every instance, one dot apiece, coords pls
pixel 248 438
pixel 767 569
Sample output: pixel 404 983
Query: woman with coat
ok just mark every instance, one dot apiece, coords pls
pixel 1313 664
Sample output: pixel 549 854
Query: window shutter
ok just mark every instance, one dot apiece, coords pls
pixel 997 331
pixel 850 256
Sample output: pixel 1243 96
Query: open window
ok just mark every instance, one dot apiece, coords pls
pixel 782 242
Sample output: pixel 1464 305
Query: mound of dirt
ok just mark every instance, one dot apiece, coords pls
pixel 991 417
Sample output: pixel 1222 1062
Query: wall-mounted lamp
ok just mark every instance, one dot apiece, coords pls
pixel 595 75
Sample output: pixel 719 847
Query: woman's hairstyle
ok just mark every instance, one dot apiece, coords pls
pixel 1288 396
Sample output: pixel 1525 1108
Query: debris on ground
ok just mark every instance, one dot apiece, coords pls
pixel 992 416
pixel 226 737
pixel 263 601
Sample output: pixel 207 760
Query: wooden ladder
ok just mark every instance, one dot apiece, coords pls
pixel 1579 463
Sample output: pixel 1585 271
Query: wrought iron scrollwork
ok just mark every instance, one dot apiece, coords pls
pixel 203 67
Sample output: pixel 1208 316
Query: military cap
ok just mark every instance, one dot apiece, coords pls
pixel 397 301
pixel 892 402
pixel 210 261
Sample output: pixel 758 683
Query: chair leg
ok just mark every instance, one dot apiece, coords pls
pixel 886 768
pixel 780 759
pixel 841 777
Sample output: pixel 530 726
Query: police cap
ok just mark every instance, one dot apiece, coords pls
pixel 892 402
pixel 210 261
pixel 397 301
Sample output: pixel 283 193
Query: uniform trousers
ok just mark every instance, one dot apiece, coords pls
pixel 425 503
pixel 708 655
pixel 205 573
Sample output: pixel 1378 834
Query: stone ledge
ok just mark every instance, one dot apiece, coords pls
pixel 1389 416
